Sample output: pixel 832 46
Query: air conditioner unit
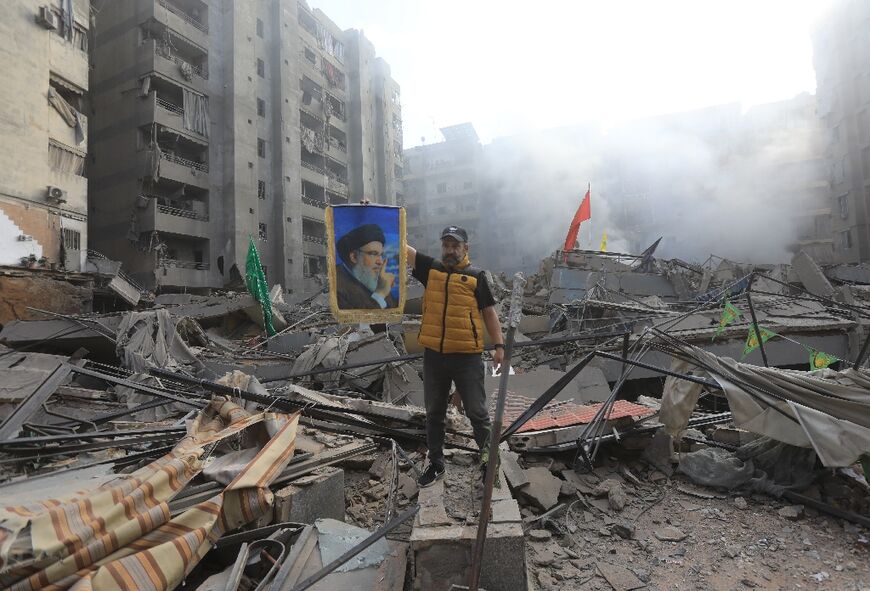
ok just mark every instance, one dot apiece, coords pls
pixel 25 238
pixel 47 18
pixel 56 194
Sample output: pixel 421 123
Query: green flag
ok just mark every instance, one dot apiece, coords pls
pixel 729 315
pixel 752 340
pixel 255 279
pixel 821 360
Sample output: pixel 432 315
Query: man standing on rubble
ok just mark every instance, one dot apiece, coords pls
pixel 457 304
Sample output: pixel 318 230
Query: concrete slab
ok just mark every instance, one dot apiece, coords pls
pixel 319 495
pixel 442 547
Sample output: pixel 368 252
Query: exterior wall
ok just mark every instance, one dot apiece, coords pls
pixel 841 48
pixel 37 58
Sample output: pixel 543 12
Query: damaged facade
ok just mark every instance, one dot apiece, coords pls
pixel 236 120
pixel 44 150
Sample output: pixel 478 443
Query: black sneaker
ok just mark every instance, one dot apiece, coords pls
pixel 432 474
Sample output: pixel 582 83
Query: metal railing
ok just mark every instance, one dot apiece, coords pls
pixel 314 202
pixel 185 162
pixel 313 167
pixel 201 72
pixel 167 106
pixel 95 254
pixel 184 213
pixel 185 264
pixel 314 239
pixel 183 15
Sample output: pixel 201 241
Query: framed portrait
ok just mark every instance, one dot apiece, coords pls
pixel 366 263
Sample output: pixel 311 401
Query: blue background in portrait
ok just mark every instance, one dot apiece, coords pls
pixel 346 218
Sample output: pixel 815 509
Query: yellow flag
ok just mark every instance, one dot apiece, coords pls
pixel 603 246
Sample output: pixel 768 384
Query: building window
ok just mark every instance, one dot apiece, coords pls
pixel 843 202
pixel 261 189
pixel 259 28
pixel 310 55
pixel 66 159
pixel 261 148
pixel 441 188
pixel 467 185
pixel 261 107
pixel 262 232
pixel 846 240
pixel 72 239
pixel 261 68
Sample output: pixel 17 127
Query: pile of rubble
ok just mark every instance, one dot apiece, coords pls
pixel 635 453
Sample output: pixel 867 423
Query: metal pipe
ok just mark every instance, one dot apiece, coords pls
pixel 514 317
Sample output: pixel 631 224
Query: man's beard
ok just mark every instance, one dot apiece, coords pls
pixel 451 260
pixel 367 277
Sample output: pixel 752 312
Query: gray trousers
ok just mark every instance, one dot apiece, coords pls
pixel 466 371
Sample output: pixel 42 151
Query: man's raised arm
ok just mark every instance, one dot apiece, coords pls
pixel 411 255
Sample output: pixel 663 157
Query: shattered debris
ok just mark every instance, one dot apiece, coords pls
pixel 641 449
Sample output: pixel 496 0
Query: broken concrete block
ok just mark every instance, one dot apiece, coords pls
pixel 543 488
pixel 620 578
pixel 512 471
pixel 407 486
pixel 792 512
pixel 309 499
pixel 670 534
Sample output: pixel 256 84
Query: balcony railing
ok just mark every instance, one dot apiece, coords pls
pixel 201 72
pixel 167 106
pixel 184 16
pixel 313 167
pixel 314 239
pixel 183 213
pixel 185 264
pixel 185 162
pixel 314 202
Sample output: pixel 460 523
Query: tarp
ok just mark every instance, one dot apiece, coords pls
pixel 121 535
pixel 150 339
pixel 827 410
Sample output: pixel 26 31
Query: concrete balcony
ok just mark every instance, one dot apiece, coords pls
pixel 156 110
pixel 185 274
pixel 174 17
pixel 313 209
pixel 313 174
pixel 171 66
pixel 314 245
pixel 162 218
pixel 177 168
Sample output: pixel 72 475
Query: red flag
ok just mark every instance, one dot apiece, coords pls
pixel 584 212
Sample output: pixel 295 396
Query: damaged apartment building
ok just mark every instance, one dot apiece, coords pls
pixel 44 145
pixel 216 121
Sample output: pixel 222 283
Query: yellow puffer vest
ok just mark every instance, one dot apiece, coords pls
pixel 452 323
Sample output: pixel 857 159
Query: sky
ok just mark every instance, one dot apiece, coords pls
pixel 510 67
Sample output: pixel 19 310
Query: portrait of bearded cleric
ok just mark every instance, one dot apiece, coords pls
pixel 366 250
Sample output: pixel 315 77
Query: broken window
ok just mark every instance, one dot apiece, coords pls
pixel 66 159
pixel 310 55
pixel 72 239
pixel 843 202
pixel 261 148
pixel 261 107
pixel 261 189
pixel 261 68
pixel 262 232
pixel 259 28
pixel 845 240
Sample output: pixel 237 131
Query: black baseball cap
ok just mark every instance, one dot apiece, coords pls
pixel 454 232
